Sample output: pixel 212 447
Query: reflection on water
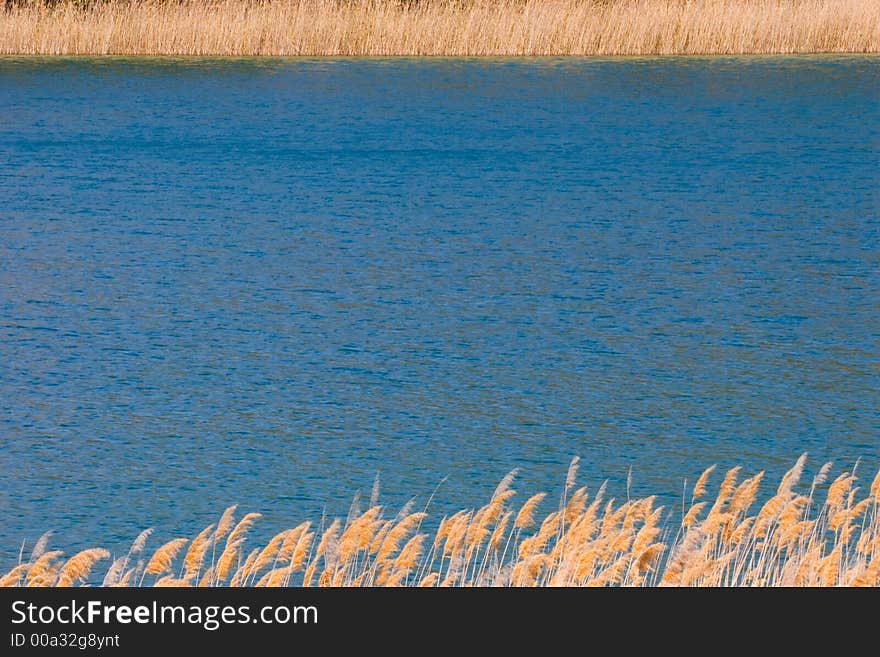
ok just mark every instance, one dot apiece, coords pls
pixel 264 281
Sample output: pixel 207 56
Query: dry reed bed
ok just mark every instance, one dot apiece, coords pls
pixel 796 538
pixel 441 27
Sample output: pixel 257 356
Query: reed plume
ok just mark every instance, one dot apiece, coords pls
pixel 14 576
pixel 700 486
pixel 78 566
pixel 233 545
pixel 195 555
pixel 140 542
pixel 161 560
pixel 526 515
pixel 225 524
pixel 43 571
pixel 40 546
pixel 504 485
pixel 115 572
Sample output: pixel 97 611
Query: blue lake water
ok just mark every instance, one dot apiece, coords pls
pixel 264 281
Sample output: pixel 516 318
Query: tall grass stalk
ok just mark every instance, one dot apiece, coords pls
pixel 438 27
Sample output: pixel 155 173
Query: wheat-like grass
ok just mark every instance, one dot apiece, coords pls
pixel 14 576
pixel 160 562
pixel 526 515
pixel 137 546
pixel 233 545
pixel 267 555
pixel 40 546
pixel 195 555
pixel 44 570
pixel 78 566
pixel 438 27
pixel 588 541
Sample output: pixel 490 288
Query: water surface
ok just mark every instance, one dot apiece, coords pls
pixel 265 281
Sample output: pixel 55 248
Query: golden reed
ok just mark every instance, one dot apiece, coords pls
pixel 805 534
pixel 438 27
